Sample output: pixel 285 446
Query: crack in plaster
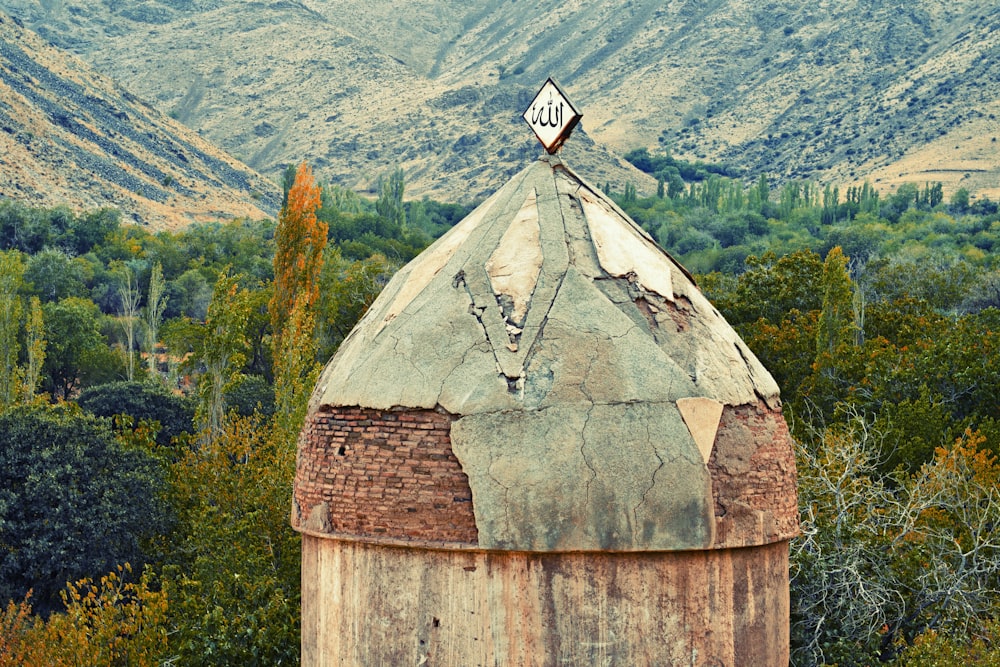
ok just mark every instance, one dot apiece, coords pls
pixel 506 495
pixel 407 359
pixel 652 483
pixel 478 312
pixel 583 454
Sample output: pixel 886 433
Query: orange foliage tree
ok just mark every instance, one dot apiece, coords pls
pixel 298 258
pixel 298 261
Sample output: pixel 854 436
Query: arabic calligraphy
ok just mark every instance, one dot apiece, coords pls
pixel 554 117
pixel 551 116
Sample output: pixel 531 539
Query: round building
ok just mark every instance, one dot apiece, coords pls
pixel 542 445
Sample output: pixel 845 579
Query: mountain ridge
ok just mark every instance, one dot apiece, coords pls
pixel 70 136
pixel 890 91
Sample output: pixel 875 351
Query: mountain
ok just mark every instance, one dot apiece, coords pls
pixel 71 136
pixel 892 90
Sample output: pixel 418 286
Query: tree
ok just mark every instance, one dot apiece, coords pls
pixel 156 303
pixel 36 345
pixel 141 401
pixel 235 582
pixel 105 624
pixel 11 280
pixel 76 348
pixel 128 295
pixel 298 262
pixel 884 559
pixel 836 319
pixel 221 350
pixel 54 275
pixel 188 296
pixel 298 258
pixel 347 289
pixel 389 204
pixel 74 502
pixel 960 200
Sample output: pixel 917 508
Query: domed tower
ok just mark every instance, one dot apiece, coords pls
pixel 543 445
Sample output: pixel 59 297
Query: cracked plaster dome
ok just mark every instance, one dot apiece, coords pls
pixel 595 399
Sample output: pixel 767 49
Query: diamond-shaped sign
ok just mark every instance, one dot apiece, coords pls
pixel 551 116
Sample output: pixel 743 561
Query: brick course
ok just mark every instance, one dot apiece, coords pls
pixel 382 474
pixel 753 477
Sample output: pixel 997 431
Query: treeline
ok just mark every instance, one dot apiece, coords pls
pixel 151 389
pixel 714 222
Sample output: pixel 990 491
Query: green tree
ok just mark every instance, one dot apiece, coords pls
pixel 76 351
pixel 836 319
pixel 221 350
pixel 54 275
pixel 389 205
pixel 143 402
pixel 960 200
pixel 11 281
pixel 128 316
pixel 74 502
pixel 36 345
pixel 156 303
pixel 347 289
pixel 234 583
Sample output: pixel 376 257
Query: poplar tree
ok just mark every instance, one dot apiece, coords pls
pixel 222 350
pixel 298 259
pixel 298 262
pixel 128 294
pixel 34 334
pixel 836 319
pixel 11 277
pixel 389 204
pixel 156 303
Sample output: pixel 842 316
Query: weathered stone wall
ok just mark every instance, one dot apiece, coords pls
pixel 382 474
pixel 368 604
pixel 753 478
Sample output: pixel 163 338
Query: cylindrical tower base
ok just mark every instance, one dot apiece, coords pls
pixel 370 604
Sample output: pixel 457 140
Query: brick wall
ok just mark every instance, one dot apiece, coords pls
pixel 753 477
pixel 383 474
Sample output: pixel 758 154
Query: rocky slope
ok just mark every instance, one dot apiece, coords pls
pixel 835 91
pixel 70 136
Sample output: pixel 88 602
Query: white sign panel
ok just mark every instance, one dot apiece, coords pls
pixel 551 116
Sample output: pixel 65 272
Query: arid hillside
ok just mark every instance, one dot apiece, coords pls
pixel 894 90
pixel 71 136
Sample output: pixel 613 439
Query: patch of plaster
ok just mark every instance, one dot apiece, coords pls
pixel 622 476
pixel 514 266
pixel 621 251
pixel 702 417
pixel 319 519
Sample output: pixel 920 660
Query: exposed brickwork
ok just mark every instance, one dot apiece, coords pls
pixel 753 478
pixel 383 474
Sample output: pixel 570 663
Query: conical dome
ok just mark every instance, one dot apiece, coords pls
pixel 577 384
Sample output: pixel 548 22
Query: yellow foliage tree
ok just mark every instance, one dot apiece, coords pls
pixel 113 622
